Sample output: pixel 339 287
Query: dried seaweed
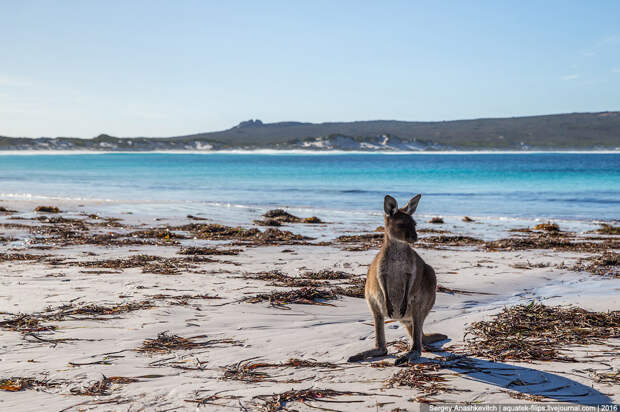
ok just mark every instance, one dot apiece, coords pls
pixel 98 388
pixel 422 377
pixel 165 343
pixel 183 299
pixel 608 377
pixel 303 296
pixel 148 263
pixel 5 210
pixel 547 227
pixel 455 240
pixel 363 242
pixel 268 222
pixel 35 322
pixel 357 290
pixel 10 257
pixel 191 217
pixel 248 371
pixel 102 386
pixel 210 399
pixel 436 220
pixel 282 216
pixel 524 396
pixel 47 209
pixel 549 241
pixel 450 291
pixel 26 323
pixel 607 229
pixel 98 310
pixel 16 384
pixel 529 265
pixel 328 274
pixel 537 332
pixel 312 220
pixel 245 371
pixel 277 402
pixel 156 233
pixel 251 236
pixel 605 264
pixel 208 251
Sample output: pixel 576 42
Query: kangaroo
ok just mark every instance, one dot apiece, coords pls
pixel 399 277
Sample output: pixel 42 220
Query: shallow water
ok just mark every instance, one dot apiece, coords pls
pixel 496 187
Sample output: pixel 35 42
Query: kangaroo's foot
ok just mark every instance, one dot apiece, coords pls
pixel 372 353
pixel 410 357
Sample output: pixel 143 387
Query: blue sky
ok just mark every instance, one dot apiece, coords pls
pixel 164 68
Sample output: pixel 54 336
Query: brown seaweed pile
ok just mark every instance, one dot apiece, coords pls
pixel 16 384
pixel 38 322
pixel 356 290
pixel 605 264
pixel 250 236
pixel 547 227
pixel 447 240
pixel 422 376
pixel 278 401
pixel 208 251
pixel 550 241
pixel 47 209
pixel 607 229
pixel 102 387
pixel 248 371
pixel 148 263
pixel 328 274
pixel 165 343
pixel 156 233
pixel 537 332
pixel 361 242
pixel 20 257
pixel 281 279
pixel 303 296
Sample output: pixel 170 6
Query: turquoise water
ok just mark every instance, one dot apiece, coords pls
pixel 537 185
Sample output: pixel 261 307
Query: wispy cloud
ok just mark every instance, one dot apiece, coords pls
pixel 570 77
pixel 615 70
pixel 602 45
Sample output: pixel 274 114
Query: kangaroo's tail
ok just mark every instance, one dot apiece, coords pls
pixel 433 337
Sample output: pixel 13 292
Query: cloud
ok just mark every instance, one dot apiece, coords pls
pixel 570 77
pixel 615 70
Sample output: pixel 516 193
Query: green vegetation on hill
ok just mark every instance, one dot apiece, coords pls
pixel 561 131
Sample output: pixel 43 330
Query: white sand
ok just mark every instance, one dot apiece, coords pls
pixel 322 333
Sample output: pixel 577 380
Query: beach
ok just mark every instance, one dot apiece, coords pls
pixel 104 309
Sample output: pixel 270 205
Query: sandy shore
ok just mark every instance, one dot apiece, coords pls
pixel 91 315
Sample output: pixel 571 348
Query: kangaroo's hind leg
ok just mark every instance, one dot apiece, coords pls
pixel 405 301
pixel 380 348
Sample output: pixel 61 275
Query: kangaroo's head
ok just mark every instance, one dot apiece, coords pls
pixel 398 222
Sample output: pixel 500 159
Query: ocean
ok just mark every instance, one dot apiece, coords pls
pixel 511 187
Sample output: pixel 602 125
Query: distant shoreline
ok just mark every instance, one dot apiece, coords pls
pixel 309 152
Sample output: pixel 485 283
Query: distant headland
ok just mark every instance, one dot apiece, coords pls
pixel 572 131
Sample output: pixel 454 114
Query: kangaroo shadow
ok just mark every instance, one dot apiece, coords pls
pixel 528 381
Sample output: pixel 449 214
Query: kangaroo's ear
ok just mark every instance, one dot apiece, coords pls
pixel 390 205
pixel 412 205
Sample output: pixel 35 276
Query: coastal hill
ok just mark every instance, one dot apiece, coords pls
pixel 583 131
